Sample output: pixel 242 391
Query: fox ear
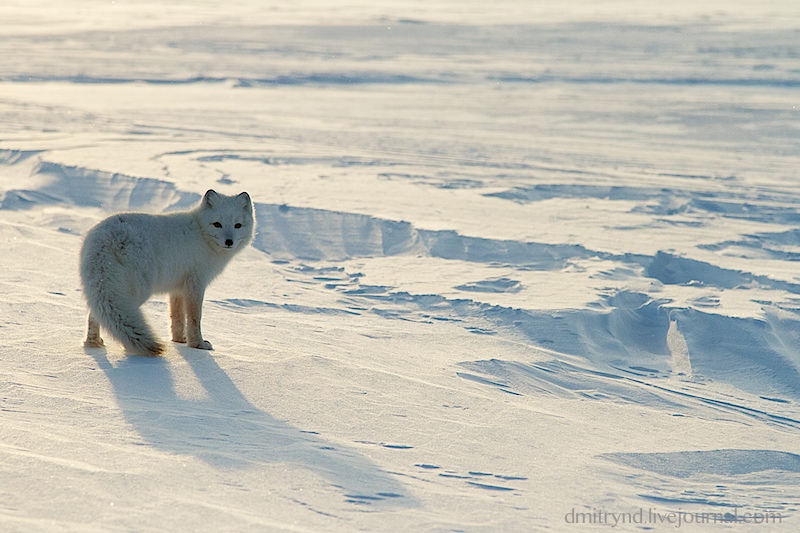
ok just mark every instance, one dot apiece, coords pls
pixel 210 198
pixel 244 201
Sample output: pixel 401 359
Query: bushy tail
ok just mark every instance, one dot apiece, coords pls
pixel 112 307
pixel 126 324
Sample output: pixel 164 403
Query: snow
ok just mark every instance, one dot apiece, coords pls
pixel 515 261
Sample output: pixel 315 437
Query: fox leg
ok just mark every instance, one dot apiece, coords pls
pixel 194 311
pixel 93 339
pixel 177 312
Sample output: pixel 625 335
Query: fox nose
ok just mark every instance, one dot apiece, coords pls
pixel 229 242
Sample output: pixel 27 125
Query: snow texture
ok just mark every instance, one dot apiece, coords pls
pixel 514 261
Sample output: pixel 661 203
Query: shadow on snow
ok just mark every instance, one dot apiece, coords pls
pixel 226 431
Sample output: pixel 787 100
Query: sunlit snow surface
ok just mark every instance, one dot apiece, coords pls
pixel 513 261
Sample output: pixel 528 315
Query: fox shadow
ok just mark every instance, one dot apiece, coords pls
pixel 226 431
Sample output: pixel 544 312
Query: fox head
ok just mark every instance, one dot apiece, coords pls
pixel 227 221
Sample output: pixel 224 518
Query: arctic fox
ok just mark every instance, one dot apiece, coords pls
pixel 127 258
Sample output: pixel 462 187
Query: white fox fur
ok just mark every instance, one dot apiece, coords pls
pixel 127 258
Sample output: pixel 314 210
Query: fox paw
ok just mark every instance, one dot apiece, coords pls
pixel 202 345
pixel 94 343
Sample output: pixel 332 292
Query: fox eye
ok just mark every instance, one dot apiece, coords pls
pixel 237 225
pixel 217 225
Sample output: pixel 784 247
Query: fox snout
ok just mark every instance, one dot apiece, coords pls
pixel 228 242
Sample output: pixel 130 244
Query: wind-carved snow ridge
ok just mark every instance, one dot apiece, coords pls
pixel 312 234
pixel 781 246
pixel 96 188
pixel 12 157
pixel 674 270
